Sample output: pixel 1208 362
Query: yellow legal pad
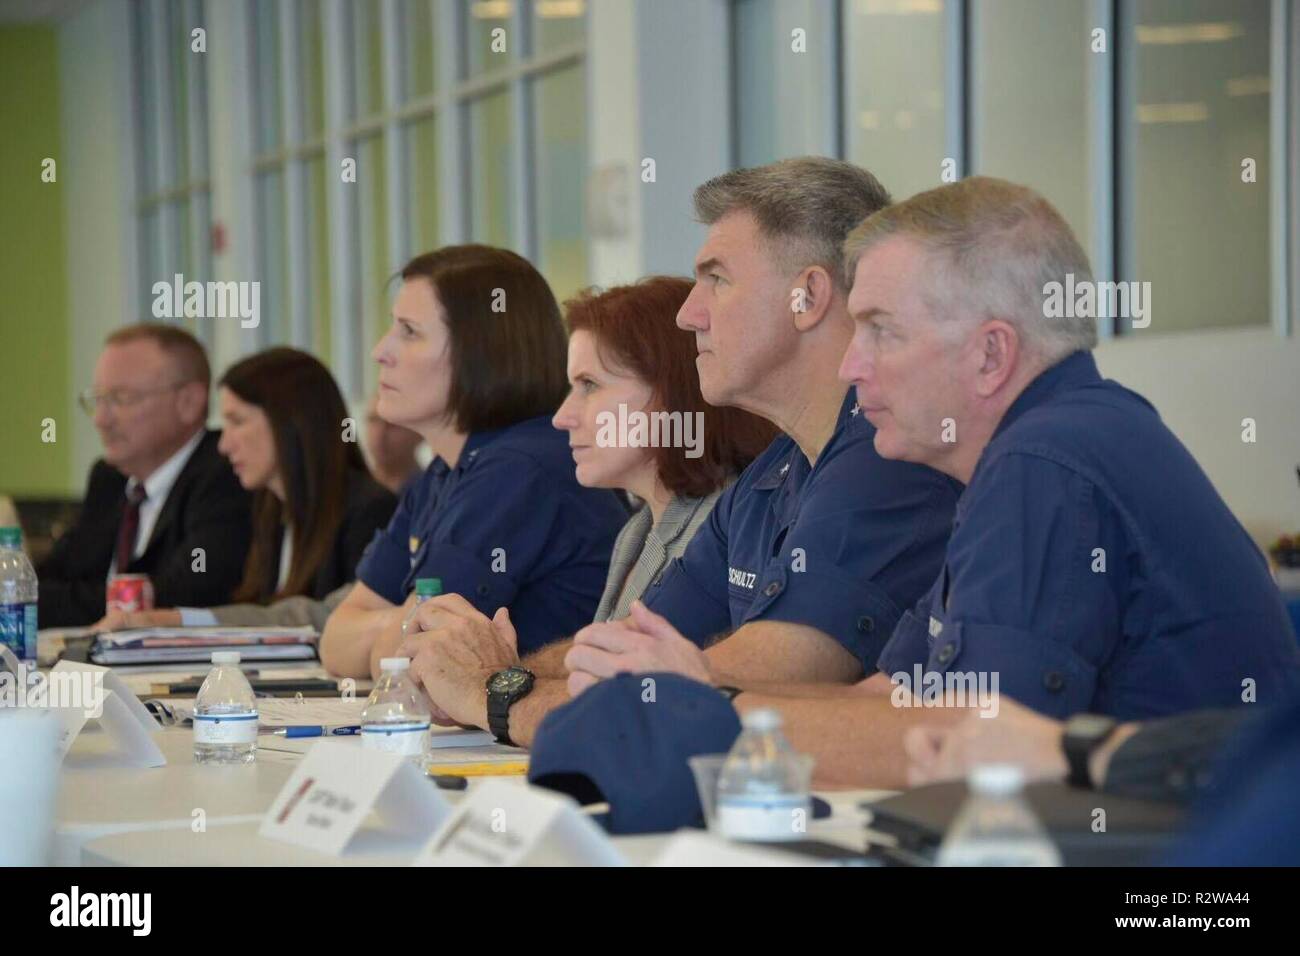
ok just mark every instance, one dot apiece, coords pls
pixel 499 769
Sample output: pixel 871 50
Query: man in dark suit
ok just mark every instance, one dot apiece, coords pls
pixel 162 501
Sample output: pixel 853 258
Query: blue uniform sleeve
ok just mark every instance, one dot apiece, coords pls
pixel 386 561
pixel 1029 592
pixel 693 593
pixel 866 544
pixel 496 526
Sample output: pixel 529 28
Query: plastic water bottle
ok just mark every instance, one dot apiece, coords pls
pixel 763 788
pixel 395 718
pixel 225 714
pixel 995 827
pixel 425 588
pixel 18 589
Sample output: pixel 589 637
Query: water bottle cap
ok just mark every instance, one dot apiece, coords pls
pixel 394 663
pixel 225 657
pixel 764 719
pixel 997 778
pixel 428 587
pixel 11 537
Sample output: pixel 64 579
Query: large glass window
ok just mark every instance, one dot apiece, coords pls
pixel 1200 234
pixel 1147 123
pixel 455 136
pixel 492 42
pixel 1036 133
pixel 894 104
pixel 784 56
pixel 174 207
pixel 492 136
pixel 561 202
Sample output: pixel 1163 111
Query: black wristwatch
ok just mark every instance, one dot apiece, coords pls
pixel 1084 733
pixel 503 689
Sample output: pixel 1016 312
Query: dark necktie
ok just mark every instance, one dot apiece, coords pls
pixel 130 524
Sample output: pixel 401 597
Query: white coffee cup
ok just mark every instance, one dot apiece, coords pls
pixel 29 783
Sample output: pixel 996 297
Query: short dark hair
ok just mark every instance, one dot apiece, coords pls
pixel 508 347
pixel 635 329
pixel 187 351
pixel 804 207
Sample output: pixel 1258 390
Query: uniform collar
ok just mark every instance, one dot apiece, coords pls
pixel 1077 368
pixel 846 416
pixel 475 442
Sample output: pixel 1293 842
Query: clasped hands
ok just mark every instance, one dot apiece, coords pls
pixel 454 648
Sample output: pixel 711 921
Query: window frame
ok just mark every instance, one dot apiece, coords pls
pixel 449 107
pixel 1111 158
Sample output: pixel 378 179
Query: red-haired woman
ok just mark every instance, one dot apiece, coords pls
pixel 637 422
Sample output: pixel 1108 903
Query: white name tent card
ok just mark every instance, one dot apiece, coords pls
pixel 512 824
pixel 697 848
pixel 109 681
pixel 101 696
pixel 336 786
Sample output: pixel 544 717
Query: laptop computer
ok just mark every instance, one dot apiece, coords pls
pixel 1135 831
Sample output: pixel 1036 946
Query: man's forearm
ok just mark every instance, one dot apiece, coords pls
pixel 549 660
pixel 855 742
pixel 350 636
pixel 384 644
pixel 781 654
pixel 527 714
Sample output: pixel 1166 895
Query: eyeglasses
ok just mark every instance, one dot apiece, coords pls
pixel 117 398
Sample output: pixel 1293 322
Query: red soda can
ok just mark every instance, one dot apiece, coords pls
pixel 130 592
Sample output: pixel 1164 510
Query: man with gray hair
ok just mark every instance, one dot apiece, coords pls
pixel 1092 570
pixel 807 561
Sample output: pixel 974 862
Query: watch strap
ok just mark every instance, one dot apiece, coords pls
pixel 1079 746
pixel 499 704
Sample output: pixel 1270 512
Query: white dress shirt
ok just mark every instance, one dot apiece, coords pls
pixel 157 486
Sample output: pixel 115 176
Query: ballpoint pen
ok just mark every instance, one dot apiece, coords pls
pixel 314 731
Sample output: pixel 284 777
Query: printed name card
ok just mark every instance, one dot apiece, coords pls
pixel 512 824
pixel 80 693
pixel 336 786
pixel 697 848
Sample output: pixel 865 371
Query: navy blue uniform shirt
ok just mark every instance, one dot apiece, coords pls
pixel 844 545
pixel 1093 567
pixel 508 526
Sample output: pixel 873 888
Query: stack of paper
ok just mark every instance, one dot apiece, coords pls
pixel 152 645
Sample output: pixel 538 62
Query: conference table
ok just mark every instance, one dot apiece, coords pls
pixel 186 814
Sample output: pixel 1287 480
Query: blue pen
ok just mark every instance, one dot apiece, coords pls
pixel 315 731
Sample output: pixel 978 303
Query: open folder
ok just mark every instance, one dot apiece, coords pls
pixel 158 645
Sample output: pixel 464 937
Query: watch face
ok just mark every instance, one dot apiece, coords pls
pixel 509 681
pixel 1089 725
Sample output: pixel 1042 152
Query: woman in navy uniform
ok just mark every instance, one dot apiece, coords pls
pixel 475 364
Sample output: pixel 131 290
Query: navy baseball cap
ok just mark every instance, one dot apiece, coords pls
pixel 626 741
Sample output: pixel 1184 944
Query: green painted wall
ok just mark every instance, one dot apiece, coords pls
pixel 34 341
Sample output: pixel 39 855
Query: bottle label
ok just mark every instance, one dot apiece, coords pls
pixel 771 817
pixel 18 629
pixel 225 728
pixel 406 739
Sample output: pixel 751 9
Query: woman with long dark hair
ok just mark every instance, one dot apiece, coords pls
pixel 288 437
